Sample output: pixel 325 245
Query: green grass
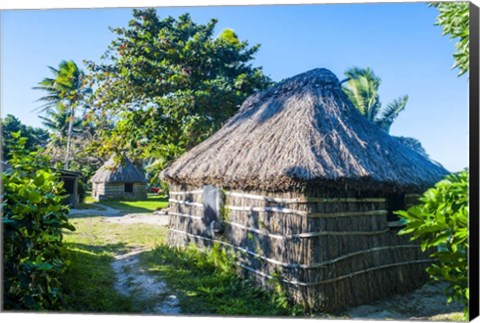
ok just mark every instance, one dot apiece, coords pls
pixel 152 203
pixel 206 283
pixel 89 280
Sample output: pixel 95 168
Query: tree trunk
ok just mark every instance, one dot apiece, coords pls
pixel 69 138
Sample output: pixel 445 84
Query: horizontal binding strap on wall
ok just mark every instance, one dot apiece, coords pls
pixel 305 199
pixel 304 213
pixel 413 195
pixel 317 265
pixel 395 224
pixel 350 275
pixel 302 266
pixel 307 234
pixel 200 205
pixel 186 192
pixel 196 217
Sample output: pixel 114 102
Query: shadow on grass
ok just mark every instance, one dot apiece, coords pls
pixel 88 282
pixel 108 249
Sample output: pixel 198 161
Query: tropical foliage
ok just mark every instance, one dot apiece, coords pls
pixel 440 223
pixel 362 90
pixel 454 19
pixel 171 83
pixel 58 120
pixel 36 138
pixel 33 219
pixel 66 90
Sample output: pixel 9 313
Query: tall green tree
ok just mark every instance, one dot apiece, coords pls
pixel 171 83
pixel 67 89
pixel 58 122
pixel 454 19
pixel 362 90
pixel 35 137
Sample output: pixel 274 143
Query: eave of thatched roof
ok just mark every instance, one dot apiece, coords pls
pixel 302 131
pixel 110 172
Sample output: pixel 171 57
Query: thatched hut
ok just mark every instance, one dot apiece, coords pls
pixel 303 187
pixel 119 181
pixel 70 181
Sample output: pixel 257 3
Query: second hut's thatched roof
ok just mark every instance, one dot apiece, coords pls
pixel 303 130
pixel 125 172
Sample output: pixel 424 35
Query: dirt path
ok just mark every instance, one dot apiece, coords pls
pixel 102 210
pixel 146 218
pixel 134 281
pixel 426 303
pixel 152 294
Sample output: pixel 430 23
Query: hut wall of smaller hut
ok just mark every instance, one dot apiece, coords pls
pixel 322 245
pixel 102 191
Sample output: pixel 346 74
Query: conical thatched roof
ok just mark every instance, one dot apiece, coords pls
pixel 111 173
pixel 303 130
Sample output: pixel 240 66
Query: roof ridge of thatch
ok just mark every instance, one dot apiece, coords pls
pixel 113 172
pixel 301 131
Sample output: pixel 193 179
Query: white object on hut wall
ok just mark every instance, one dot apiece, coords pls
pixel 212 200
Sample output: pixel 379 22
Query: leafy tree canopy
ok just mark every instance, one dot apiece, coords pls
pixel 453 17
pixel 35 137
pixel 170 83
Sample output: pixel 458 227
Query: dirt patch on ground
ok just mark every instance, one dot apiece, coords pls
pixel 425 303
pixel 132 280
pixel 146 218
pixel 101 210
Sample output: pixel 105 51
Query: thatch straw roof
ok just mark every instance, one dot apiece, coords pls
pixel 303 130
pixel 111 172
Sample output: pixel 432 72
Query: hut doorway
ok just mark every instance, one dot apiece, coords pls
pixel 212 206
pixel 395 202
pixel 128 188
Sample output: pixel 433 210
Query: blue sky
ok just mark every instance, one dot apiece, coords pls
pixel 397 40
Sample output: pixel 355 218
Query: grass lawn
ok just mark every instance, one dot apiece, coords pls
pixel 206 283
pixel 152 203
pixel 89 280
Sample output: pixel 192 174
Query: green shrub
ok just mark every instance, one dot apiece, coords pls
pixel 440 222
pixel 33 219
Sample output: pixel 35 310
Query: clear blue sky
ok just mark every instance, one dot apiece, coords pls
pixel 397 40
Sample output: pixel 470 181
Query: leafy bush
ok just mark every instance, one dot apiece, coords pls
pixel 33 219
pixel 440 222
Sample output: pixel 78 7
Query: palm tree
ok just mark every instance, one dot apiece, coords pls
pixel 66 88
pixel 362 90
pixel 58 121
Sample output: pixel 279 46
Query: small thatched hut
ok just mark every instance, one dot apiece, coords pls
pixel 116 181
pixel 70 184
pixel 302 187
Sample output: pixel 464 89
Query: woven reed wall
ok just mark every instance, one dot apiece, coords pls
pixel 104 191
pixel 330 249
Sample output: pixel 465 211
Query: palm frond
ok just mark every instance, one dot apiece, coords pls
pixel 391 112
